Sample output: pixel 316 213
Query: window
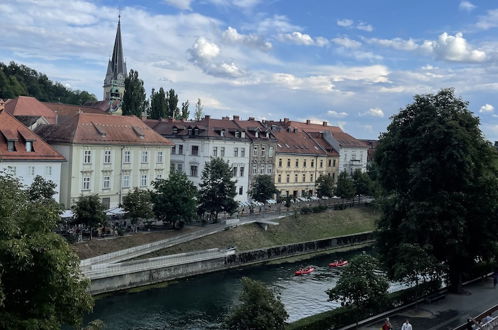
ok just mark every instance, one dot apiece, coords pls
pixel 31 170
pixel 288 178
pixel 242 152
pixel 280 162
pixel 242 171
pixel 255 151
pixel 87 157
pixel 333 176
pixel 262 150
pixel 195 150
pixel 222 152
pixel 145 157
pixel 288 162
pixel 330 162
pixel 106 183
pixel 86 183
pixel 254 169
pixel 297 162
pixel 13 170
pixel 321 163
pixel 159 177
pixel 311 177
pixel 262 169
pixel 107 156
pixel 180 149
pixel 11 146
pixel 304 177
pixel 48 170
pixel 270 152
pixel 236 152
pixel 29 146
pixel 175 130
pixel 304 163
pixel 234 170
pixel 279 180
pixel 126 181
pixel 159 157
pixel 215 151
pixel 173 150
pixel 334 163
pixel 143 180
pixel 269 169
pixel 312 163
pixel 241 190
pixel 127 157
pixel 296 178
pixel 172 167
pixel 106 203
pixel 193 170
pixel 179 167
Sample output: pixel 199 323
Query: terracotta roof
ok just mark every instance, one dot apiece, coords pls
pixel 29 106
pixel 320 140
pixel 344 139
pixel 70 109
pixel 91 128
pixel 296 141
pixel 13 130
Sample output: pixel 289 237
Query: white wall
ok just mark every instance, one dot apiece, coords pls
pixel 351 159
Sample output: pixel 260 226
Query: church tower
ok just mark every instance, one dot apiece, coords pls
pixel 115 77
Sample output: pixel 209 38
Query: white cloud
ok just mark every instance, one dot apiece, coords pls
pixel 233 36
pixel 345 22
pixel 349 23
pixel 346 42
pixel 396 43
pixel 243 4
pixel 277 24
pixel 488 21
pixel 180 4
pixel 204 49
pixel 374 112
pixel 466 6
pixel 298 38
pixel 364 27
pixel 335 114
pixel 487 108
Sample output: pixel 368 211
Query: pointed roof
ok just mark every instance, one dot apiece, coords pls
pixel 29 106
pixel 116 64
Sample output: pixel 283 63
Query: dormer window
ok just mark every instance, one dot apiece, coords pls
pixel 243 134
pixel 29 146
pixel 222 132
pixel 256 134
pixel 189 131
pixel 11 146
pixel 175 130
pixel 237 134
pixel 196 131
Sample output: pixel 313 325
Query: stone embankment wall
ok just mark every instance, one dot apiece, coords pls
pixel 121 276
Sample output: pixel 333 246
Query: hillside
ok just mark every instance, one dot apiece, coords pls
pixel 17 79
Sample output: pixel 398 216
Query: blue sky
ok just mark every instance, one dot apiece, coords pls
pixel 351 63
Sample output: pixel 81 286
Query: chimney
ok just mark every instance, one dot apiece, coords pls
pixel 286 120
pixel 225 118
pixel 207 117
pixel 308 121
pixel 251 119
pixel 324 123
pixel 235 117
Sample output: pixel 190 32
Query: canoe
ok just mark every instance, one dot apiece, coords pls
pixel 304 271
pixel 338 263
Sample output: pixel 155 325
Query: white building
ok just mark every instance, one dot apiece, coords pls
pixel 25 155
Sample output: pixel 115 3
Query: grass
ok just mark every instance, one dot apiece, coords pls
pixel 292 229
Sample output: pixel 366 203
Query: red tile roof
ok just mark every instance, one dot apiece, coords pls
pixel 29 106
pixel 296 142
pixel 13 130
pixel 91 128
pixel 319 139
pixel 69 109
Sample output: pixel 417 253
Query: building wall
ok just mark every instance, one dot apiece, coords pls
pixel 262 159
pixel 352 159
pixel 110 180
pixel 187 159
pixel 26 171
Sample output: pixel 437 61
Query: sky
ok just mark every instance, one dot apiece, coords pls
pixel 353 63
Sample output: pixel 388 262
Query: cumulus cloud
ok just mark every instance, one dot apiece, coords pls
pixel 275 25
pixel 346 42
pixel 335 114
pixel 350 24
pixel 364 27
pixel 374 112
pixel 180 4
pixel 488 21
pixel 345 22
pixel 233 36
pixel 304 39
pixel 466 6
pixel 487 108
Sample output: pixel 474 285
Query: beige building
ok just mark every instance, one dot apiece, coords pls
pixel 106 155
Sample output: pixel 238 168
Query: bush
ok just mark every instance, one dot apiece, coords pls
pixel 319 208
pixel 306 210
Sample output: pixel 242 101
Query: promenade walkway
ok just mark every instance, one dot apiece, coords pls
pixel 449 312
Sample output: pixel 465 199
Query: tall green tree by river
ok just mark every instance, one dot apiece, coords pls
pixel 439 182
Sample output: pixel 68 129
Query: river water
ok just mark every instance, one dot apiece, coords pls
pixel 202 302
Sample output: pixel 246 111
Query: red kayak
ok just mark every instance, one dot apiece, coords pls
pixel 340 263
pixel 306 270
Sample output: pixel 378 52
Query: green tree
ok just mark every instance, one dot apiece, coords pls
pixel 259 309
pixel 263 188
pixel 173 111
pixel 361 285
pixel 41 285
pixel 198 110
pixel 158 104
pixel 362 183
pixel 185 111
pixel 175 199
pixel 134 98
pixel 325 186
pixel 41 189
pixel 217 190
pixel 138 205
pixel 438 176
pixel 89 211
pixel 345 186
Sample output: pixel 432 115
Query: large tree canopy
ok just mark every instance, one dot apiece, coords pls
pixel 439 182
pixel 134 98
pixel 263 188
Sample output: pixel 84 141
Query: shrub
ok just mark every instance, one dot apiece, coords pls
pixel 306 210
pixel 319 208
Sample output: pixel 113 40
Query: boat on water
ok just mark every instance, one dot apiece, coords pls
pixel 303 271
pixel 338 263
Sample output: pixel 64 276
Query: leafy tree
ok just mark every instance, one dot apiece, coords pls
pixel 198 110
pixel 175 199
pixel 259 309
pixel 138 204
pixel 41 286
pixel 41 189
pixel 362 183
pixel 173 111
pixel 263 188
pixel 89 211
pixel 158 104
pixel 134 98
pixel 345 186
pixel 325 186
pixel 361 285
pixel 185 111
pixel 439 182
pixel 217 190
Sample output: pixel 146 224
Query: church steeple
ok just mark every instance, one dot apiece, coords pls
pixel 116 72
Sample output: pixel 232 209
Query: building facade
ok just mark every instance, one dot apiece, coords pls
pixel 107 155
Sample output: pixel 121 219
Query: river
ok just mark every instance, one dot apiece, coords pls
pixel 202 302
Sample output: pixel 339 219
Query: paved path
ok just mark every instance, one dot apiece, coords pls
pixel 449 312
pixel 140 250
